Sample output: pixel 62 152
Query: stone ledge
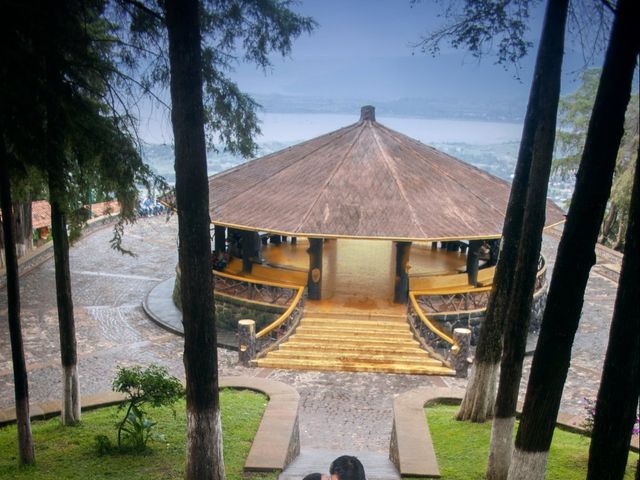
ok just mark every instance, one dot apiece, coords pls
pixel 277 441
pixel 411 449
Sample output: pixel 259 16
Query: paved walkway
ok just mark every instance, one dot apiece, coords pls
pixel 339 411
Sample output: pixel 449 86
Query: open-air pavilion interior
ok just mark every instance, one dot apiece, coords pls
pixel 365 219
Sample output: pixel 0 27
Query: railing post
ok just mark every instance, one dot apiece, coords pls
pixel 246 341
pixel 462 338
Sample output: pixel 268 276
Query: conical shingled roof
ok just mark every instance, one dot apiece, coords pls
pixel 363 181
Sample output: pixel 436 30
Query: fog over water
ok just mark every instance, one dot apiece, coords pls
pixel 294 128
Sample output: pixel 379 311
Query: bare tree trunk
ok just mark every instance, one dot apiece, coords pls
pixel 66 322
pixel 26 450
pixel 608 224
pixel 620 386
pixel 479 398
pixel 204 434
pixel 542 112
pixel 576 250
pixel 55 166
pixel 618 245
pixel 24 230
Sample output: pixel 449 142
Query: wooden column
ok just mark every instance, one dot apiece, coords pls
pixel 219 239
pixel 314 280
pixel 246 341
pixel 401 289
pixel 473 260
pixel 250 250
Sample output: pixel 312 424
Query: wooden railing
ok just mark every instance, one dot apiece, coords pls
pixel 266 293
pixel 252 290
pixel 449 302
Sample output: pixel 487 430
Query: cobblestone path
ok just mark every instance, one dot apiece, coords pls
pixel 341 410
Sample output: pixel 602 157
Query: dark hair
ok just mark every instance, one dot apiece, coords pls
pixel 313 476
pixel 347 468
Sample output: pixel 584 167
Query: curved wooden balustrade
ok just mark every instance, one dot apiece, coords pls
pixel 268 293
pixel 453 300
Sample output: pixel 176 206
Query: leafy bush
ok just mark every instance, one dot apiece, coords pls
pixel 103 445
pixel 152 386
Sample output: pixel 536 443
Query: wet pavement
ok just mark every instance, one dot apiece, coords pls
pixel 340 410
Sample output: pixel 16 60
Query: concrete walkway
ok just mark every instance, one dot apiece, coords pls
pixel 339 412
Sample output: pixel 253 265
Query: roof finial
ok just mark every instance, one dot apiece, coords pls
pixel 368 112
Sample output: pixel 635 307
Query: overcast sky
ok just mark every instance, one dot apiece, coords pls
pixel 361 52
pixel 362 47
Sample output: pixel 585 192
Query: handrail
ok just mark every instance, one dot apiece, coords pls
pixel 427 322
pixel 282 318
pixel 450 291
pixel 255 281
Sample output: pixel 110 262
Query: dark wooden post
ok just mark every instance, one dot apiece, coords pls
pixel 250 250
pixel 473 261
pixel 246 341
pixel 462 337
pixel 401 290
pixel 314 281
pixel 276 239
pixel 219 239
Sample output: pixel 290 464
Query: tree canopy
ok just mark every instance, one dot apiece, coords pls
pixel 573 119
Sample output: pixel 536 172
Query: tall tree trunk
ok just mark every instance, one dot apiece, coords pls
pixel 479 398
pixel 204 434
pixel 66 322
pixel 620 386
pixel 26 451
pixel 576 250
pixel 608 224
pixel 543 105
pixel 24 230
pixel 55 171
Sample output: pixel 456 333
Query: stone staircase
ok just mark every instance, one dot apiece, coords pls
pixel 352 341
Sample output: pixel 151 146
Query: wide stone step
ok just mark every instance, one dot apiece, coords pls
pixel 408 348
pixel 356 315
pixel 297 364
pixel 417 358
pixel 357 322
pixel 347 331
pixel 339 339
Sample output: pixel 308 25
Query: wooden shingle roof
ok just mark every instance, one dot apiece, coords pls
pixel 363 181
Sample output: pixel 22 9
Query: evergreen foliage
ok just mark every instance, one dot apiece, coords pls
pixel 573 120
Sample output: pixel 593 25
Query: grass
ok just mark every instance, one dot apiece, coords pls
pixel 462 449
pixel 70 452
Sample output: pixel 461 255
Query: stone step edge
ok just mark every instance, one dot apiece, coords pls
pixel 417 359
pixel 355 368
pixel 277 441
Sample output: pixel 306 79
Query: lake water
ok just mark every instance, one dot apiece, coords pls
pixel 293 128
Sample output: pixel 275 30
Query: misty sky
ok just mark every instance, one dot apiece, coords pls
pixel 362 49
pixel 361 52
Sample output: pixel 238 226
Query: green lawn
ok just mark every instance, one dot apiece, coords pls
pixel 69 452
pixel 462 449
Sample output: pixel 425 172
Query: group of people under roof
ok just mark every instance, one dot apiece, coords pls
pixel 345 467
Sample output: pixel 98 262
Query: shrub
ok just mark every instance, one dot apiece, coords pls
pixel 152 386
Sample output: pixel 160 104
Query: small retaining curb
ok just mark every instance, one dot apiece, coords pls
pixel 411 449
pixel 277 441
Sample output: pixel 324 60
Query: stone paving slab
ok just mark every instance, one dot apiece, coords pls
pixel 341 411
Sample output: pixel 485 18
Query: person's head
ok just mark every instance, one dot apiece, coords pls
pixel 346 467
pixel 315 476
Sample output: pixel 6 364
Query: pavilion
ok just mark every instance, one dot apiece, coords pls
pixel 361 216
